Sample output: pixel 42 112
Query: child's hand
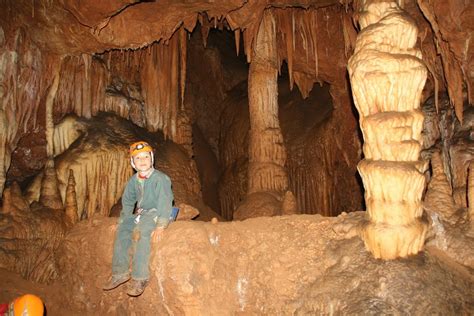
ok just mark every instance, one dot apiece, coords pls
pixel 157 234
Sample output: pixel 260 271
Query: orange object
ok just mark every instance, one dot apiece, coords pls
pixel 139 147
pixel 28 305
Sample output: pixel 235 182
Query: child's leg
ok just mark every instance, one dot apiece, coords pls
pixel 145 227
pixel 123 241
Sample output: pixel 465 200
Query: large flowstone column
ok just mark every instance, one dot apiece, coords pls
pixel 387 77
pixel 267 154
pixel 267 177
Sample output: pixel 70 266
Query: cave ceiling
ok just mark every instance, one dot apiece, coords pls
pixel 71 27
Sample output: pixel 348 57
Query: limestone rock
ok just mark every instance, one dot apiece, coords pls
pixel 387 77
pixel 50 196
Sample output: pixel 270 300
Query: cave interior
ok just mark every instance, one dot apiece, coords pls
pixel 321 153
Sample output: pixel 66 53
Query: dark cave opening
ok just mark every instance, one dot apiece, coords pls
pixel 220 139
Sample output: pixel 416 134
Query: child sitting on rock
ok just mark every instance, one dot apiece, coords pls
pixel 151 191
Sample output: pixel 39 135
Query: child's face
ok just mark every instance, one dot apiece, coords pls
pixel 142 161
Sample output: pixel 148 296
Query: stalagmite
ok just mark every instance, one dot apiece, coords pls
pixel 387 77
pixel 30 237
pixel 71 201
pixel 184 135
pixel 13 200
pixel 439 196
pixel 99 177
pixel 289 205
pixel 50 196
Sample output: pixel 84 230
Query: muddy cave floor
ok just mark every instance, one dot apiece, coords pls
pixel 295 264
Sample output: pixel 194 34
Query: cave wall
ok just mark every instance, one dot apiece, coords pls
pixel 25 76
pixel 143 86
pixel 451 23
pixel 313 43
pixel 453 141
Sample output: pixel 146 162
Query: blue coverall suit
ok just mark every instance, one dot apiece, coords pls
pixel 155 197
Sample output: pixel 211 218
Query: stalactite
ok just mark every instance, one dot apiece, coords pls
pixel 182 64
pixel 50 196
pixel 99 178
pixel 237 41
pixel 31 81
pixel 248 39
pixel 470 191
pixel 49 113
pixel 99 82
pixel 304 82
pixel 160 81
pixel 349 33
pixel 70 200
pixel 172 119
pixel 98 181
pixel 204 33
pixel 87 60
pixel 287 24
pixel 123 107
pixel 454 74
pixel 314 27
pixel 159 68
pixel 80 88
pixel 5 154
pixel 299 30
pixel 387 77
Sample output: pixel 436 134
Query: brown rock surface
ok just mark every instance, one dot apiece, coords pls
pixel 29 237
pixel 280 265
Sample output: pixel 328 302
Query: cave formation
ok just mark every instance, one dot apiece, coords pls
pixel 321 153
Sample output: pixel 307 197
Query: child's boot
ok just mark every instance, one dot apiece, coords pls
pixel 115 281
pixel 137 287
